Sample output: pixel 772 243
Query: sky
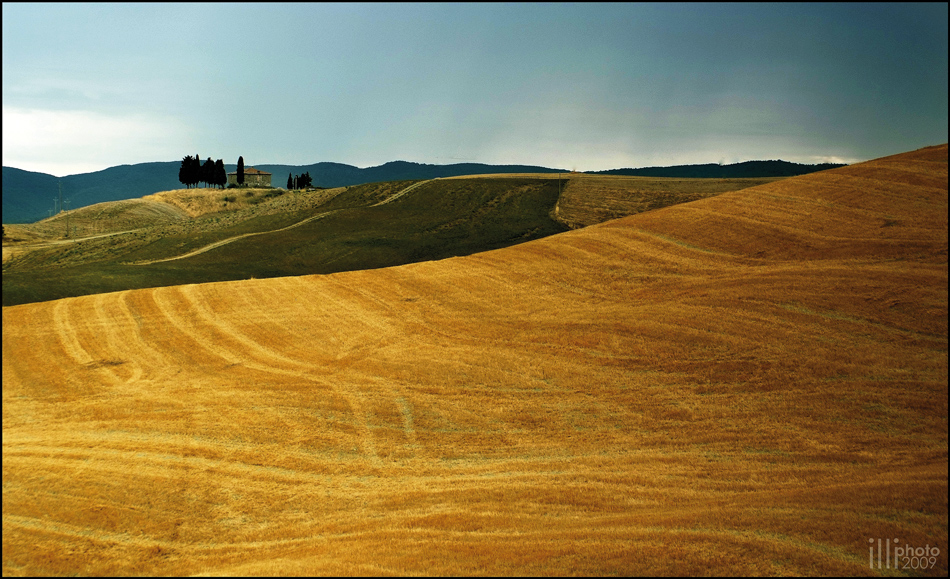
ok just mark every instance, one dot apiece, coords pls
pixel 581 87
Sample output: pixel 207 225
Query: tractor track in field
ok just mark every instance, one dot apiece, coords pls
pixel 392 198
pixel 253 354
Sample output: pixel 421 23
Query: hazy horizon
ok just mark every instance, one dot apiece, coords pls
pixel 583 87
pixel 265 163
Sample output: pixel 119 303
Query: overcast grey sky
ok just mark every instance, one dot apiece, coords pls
pixel 574 86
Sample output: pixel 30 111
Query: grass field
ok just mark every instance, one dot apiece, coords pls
pixel 439 219
pixel 753 383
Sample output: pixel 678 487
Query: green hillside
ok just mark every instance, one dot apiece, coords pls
pixel 436 220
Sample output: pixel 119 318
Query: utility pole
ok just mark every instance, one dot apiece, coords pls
pixel 61 205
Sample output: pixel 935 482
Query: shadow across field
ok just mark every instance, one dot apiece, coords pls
pixel 364 227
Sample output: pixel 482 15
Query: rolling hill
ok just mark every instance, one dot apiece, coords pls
pixel 323 231
pixel 28 196
pixel 753 383
pixel 205 235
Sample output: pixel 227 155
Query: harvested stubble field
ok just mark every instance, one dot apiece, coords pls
pixel 754 383
pixel 590 199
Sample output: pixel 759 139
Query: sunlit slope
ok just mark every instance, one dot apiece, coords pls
pixel 106 217
pixel 894 207
pixel 727 387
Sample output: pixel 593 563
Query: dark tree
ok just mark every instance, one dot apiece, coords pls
pixel 290 181
pixel 188 173
pixel 194 173
pixel 220 175
pixel 207 172
pixel 240 171
pixel 184 173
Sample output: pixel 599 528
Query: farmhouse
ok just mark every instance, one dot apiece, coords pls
pixel 252 177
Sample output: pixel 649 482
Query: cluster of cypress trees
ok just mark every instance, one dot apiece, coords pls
pixel 300 181
pixel 211 173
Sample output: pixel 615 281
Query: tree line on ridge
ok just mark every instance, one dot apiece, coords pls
pixel 193 171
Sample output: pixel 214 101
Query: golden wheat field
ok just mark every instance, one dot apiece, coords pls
pixel 753 383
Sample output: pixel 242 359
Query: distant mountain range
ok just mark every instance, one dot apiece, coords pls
pixel 29 196
pixel 735 171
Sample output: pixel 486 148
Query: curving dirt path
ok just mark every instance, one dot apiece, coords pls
pixel 399 194
pixel 217 244
pixel 222 242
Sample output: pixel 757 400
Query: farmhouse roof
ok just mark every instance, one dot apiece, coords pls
pixel 250 171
